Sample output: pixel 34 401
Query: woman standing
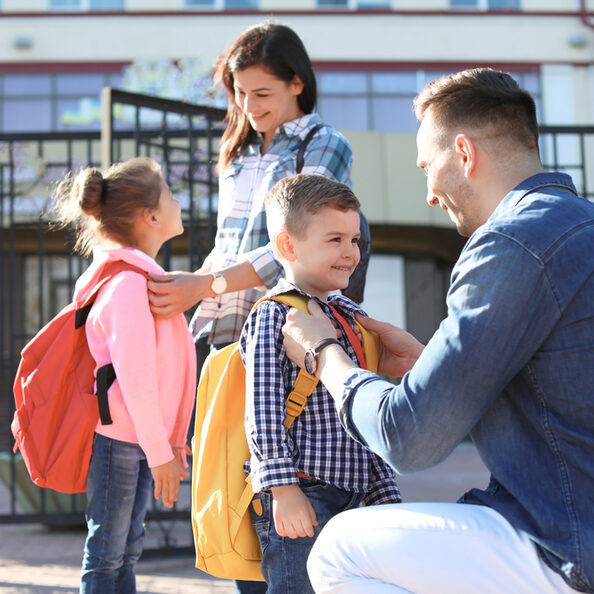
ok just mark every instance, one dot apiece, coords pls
pixel 271 91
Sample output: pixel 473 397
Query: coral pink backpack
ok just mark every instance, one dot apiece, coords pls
pixel 56 410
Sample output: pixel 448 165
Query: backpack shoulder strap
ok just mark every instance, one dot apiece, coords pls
pixel 106 374
pixel 305 383
pixel 369 339
pixel 109 271
pixel 301 150
pixel 370 344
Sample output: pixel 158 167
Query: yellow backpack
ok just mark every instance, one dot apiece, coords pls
pixel 226 543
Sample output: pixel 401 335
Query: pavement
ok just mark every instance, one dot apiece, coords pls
pixel 38 560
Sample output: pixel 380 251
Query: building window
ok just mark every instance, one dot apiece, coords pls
pixel 223 4
pixel 355 4
pixel 382 101
pixel 53 102
pixel 86 5
pixel 357 101
pixel 485 4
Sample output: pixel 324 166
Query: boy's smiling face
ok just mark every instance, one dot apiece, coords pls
pixel 324 259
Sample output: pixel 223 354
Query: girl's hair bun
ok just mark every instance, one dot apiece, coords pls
pixel 89 188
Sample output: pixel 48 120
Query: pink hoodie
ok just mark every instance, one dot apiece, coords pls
pixel 152 399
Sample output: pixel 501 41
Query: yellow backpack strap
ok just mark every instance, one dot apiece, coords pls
pixel 305 383
pixel 369 338
pixel 303 387
pixel 370 344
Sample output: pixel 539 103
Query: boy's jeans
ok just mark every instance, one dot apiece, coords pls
pixel 119 487
pixel 284 560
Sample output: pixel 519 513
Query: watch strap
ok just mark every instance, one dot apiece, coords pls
pixel 320 346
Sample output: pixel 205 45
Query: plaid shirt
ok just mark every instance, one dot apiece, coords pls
pixel 241 221
pixel 316 445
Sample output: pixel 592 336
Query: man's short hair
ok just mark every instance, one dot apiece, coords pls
pixel 292 200
pixel 481 98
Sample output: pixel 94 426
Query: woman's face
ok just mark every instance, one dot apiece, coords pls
pixel 266 100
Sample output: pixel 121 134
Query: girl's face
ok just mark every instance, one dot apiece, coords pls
pixel 266 100
pixel 168 213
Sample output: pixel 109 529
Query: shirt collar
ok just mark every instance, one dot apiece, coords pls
pixel 297 128
pixel 532 184
pixel 335 299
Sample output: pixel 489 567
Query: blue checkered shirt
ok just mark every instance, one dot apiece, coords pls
pixel 316 445
pixel 241 221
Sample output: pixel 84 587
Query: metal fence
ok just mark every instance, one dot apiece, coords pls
pixel 570 149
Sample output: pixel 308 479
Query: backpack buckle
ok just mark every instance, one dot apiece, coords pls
pixel 295 403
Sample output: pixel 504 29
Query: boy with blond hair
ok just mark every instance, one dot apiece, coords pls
pixel 304 477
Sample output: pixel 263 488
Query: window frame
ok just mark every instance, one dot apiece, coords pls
pixel 354 5
pixel 218 5
pixel 82 6
pixel 484 6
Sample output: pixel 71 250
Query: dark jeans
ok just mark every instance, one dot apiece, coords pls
pixel 284 560
pixel 119 487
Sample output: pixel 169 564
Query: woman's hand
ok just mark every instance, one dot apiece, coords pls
pixel 302 331
pixel 173 293
pixel 293 513
pixel 399 350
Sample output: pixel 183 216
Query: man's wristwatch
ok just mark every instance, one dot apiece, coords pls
pixel 311 355
pixel 219 283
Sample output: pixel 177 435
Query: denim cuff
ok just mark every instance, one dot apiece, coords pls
pixel 352 381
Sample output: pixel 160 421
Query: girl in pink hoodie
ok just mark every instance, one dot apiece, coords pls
pixel 127 213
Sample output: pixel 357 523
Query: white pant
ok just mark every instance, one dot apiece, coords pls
pixel 428 548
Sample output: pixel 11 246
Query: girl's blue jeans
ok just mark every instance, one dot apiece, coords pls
pixel 284 560
pixel 119 487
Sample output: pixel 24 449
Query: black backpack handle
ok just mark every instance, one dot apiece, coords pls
pixel 303 146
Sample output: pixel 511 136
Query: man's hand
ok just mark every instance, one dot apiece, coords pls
pixel 399 350
pixel 167 478
pixel 293 513
pixel 302 331
pixel 173 293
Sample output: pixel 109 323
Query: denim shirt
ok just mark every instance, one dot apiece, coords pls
pixel 513 366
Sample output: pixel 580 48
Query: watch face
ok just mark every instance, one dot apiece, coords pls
pixel 310 362
pixel 219 284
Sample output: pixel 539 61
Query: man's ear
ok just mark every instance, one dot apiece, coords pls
pixel 466 150
pixel 284 246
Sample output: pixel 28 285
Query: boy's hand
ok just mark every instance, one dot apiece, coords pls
pixel 167 477
pixel 294 516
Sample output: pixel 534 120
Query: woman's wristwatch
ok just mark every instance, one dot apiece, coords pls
pixel 311 355
pixel 219 283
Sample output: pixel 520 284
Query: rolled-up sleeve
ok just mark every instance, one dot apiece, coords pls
pixel 267 267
